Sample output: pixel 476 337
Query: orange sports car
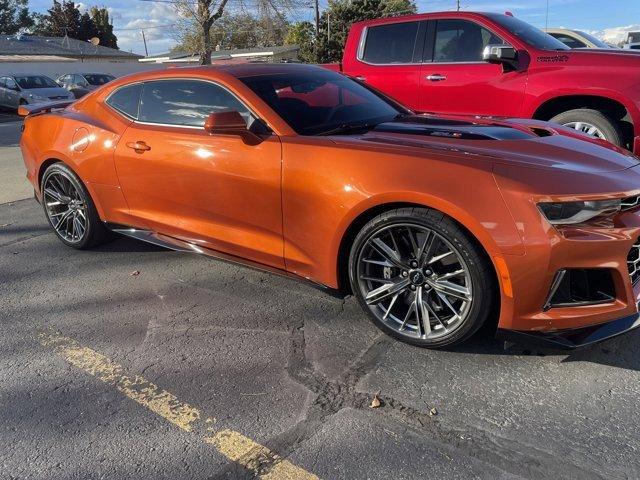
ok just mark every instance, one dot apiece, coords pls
pixel 436 224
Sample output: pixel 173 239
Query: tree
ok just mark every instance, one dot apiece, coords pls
pixel 197 27
pixel 60 20
pixel 64 18
pixel 336 20
pixel 303 35
pixel 104 27
pixel 14 16
pixel 241 30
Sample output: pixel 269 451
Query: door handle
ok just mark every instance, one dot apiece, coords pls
pixel 436 77
pixel 139 146
pixel 361 78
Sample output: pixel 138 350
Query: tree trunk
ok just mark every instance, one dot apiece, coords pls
pixel 205 55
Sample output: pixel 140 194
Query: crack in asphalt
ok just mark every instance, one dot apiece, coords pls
pixel 331 396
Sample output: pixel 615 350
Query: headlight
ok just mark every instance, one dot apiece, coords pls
pixel 572 213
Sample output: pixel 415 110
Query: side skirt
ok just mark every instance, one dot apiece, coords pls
pixel 178 245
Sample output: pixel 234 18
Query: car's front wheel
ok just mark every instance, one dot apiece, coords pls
pixel 592 122
pixel 69 208
pixel 421 278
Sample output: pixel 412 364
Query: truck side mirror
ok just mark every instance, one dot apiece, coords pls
pixel 504 54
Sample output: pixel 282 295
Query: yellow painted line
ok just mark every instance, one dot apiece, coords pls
pixel 233 445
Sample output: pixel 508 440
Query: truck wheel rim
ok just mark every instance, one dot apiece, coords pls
pixel 415 281
pixel 65 207
pixel 587 128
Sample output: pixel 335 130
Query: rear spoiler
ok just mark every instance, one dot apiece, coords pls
pixel 25 110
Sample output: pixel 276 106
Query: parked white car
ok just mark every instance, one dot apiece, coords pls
pixel 16 90
pixel 576 38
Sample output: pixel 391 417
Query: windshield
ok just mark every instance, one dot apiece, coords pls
pixel 35 81
pixel 528 33
pixel 595 40
pixel 98 79
pixel 318 101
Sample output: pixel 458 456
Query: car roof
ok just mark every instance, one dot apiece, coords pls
pixel 250 69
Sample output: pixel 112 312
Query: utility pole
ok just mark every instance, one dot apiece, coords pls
pixel 317 8
pixel 458 3
pixel 546 19
pixel 144 40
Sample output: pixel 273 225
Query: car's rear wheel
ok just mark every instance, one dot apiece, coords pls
pixel 591 122
pixel 421 278
pixel 69 208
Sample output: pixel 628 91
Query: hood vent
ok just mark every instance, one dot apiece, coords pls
pixel 460 130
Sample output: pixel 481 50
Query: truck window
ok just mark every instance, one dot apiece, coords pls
pixel 461 41
pixel 392 43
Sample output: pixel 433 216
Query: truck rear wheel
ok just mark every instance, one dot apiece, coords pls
pixel 591 122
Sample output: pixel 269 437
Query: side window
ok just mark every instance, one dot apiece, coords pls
pixel 11 84
pixel 79 80
pixel 461 41
pixel 570 42
pixel 392 43
pixel 126 100
pixel 186 102
pixel 3 81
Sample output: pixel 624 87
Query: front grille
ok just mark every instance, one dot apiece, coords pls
pixel 630 203
pixel 58 97
pixel 633 262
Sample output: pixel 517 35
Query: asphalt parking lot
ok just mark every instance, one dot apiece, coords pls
pixel 130 361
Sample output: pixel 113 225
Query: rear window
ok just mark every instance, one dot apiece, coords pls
pixel 126 100
pixel 393 43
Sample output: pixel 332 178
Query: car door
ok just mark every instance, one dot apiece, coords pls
pixel 456 80
pixel 213 190
pixel 389 57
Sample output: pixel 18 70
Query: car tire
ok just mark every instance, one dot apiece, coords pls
pixel 69 208
pixel 586 119
pixel 414 261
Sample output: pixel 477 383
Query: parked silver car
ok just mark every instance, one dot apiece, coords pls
pixel 82 83
pixel 16 90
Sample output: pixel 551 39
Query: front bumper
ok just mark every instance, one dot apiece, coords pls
pixel 549 250
pixel 574 338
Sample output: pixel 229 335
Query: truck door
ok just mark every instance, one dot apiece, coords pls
pixel 389 57
pixel 455 79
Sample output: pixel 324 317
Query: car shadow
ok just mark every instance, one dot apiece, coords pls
pixel 622 351
pixel 124 244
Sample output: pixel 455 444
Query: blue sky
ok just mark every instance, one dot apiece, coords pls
pixel 130 15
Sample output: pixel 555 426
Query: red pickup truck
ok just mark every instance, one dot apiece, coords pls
pixel 495 64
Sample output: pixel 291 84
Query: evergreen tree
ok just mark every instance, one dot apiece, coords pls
pixel 335 22
pixel 103 27
pixel 14 16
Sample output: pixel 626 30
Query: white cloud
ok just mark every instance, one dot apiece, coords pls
pixel 615 35
pixel 130 33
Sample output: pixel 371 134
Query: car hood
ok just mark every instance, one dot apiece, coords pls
pixel 529 143
pixel 47 92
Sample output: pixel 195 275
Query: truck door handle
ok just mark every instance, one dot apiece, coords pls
pixel 361 78
pixel 436 77
pixel 139 146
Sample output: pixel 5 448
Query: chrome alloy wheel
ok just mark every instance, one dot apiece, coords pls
pixel 65 207
pixel 587 128
pixel 415 281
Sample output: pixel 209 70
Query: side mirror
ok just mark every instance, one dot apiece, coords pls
pixel 503 54
pixel 226 123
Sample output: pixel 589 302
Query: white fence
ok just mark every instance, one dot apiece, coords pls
pixel 57 68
